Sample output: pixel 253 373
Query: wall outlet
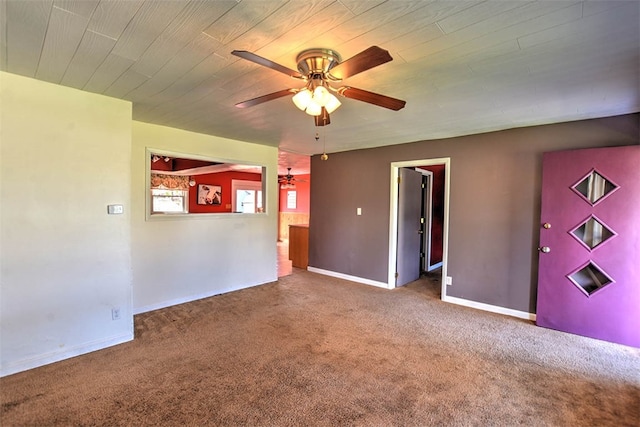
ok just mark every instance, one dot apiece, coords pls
pixel 115 313
pixel 448 280
pixel 358 211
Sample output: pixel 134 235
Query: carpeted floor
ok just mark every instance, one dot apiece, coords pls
pixel 311 350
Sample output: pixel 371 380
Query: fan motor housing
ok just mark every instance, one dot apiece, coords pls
pixel 317 61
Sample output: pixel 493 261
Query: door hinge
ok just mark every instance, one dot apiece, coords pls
pixel 399 180
pixel 397 275
pixel 421 220
pixel 423 185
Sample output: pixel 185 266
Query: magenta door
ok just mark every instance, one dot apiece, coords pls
pixel 589 262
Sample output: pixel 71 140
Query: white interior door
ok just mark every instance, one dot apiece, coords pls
pixel 409 226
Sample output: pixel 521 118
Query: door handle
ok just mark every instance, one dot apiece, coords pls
pixel 420 232
pixel 545 249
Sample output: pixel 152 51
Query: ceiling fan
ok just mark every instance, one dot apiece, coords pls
pixel 288 180
pixel 319 68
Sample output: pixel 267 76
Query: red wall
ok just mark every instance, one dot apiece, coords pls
pixel 302 195
pixel 223 179
pixel 177 164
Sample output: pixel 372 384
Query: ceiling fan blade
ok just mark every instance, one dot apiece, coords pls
pixel 372 98
pixel 265 98
pixel 266 63
pixel 323 118
pixel 365 60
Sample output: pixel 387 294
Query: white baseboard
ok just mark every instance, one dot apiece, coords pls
pixel 348 277
pixel 57 356
pixel 182 300
pixel 491 308
pixel 453 300
pixel 176 301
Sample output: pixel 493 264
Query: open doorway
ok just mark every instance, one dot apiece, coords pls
pixel 396 224
pixel 433 213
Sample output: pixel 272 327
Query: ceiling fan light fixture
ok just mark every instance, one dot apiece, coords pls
pixel 313 109
pixel 321 95
pixel 302 99
pixel 312 102
pixel 323 118
pixel 333 103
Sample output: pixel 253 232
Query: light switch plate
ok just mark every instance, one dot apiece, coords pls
pixel 115 209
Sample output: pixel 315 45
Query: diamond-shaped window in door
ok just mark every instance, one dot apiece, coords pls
pixel 590 279
pixel 594 187
pixel 592 233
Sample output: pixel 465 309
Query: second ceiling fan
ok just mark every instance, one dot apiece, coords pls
pixel 288 180
pixel 319 68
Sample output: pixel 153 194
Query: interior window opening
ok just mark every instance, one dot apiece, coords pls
pixel 193 185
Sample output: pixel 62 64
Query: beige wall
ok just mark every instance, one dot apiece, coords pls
pixel 182 258
pixel 64 156
pixel 66 264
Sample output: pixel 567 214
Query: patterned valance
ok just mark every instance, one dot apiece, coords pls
pixel 171 182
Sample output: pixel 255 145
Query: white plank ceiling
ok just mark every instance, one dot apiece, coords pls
pixel 462 67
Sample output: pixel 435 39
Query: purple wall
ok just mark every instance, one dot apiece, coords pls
pixel 494 205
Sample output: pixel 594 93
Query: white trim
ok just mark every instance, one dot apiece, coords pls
pixel 57 356
pixel 190 298
pixel 393 226
pixel 491 308
pixel 348 277
pixel 393 217
pixel 192 156
pixel 428 211
pixel 453 300
pixel 435 266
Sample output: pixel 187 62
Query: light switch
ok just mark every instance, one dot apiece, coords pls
pixel 359 211
pixel 115 209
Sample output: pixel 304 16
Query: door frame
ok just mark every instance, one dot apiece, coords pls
pixel 428 218
pixel 393 217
